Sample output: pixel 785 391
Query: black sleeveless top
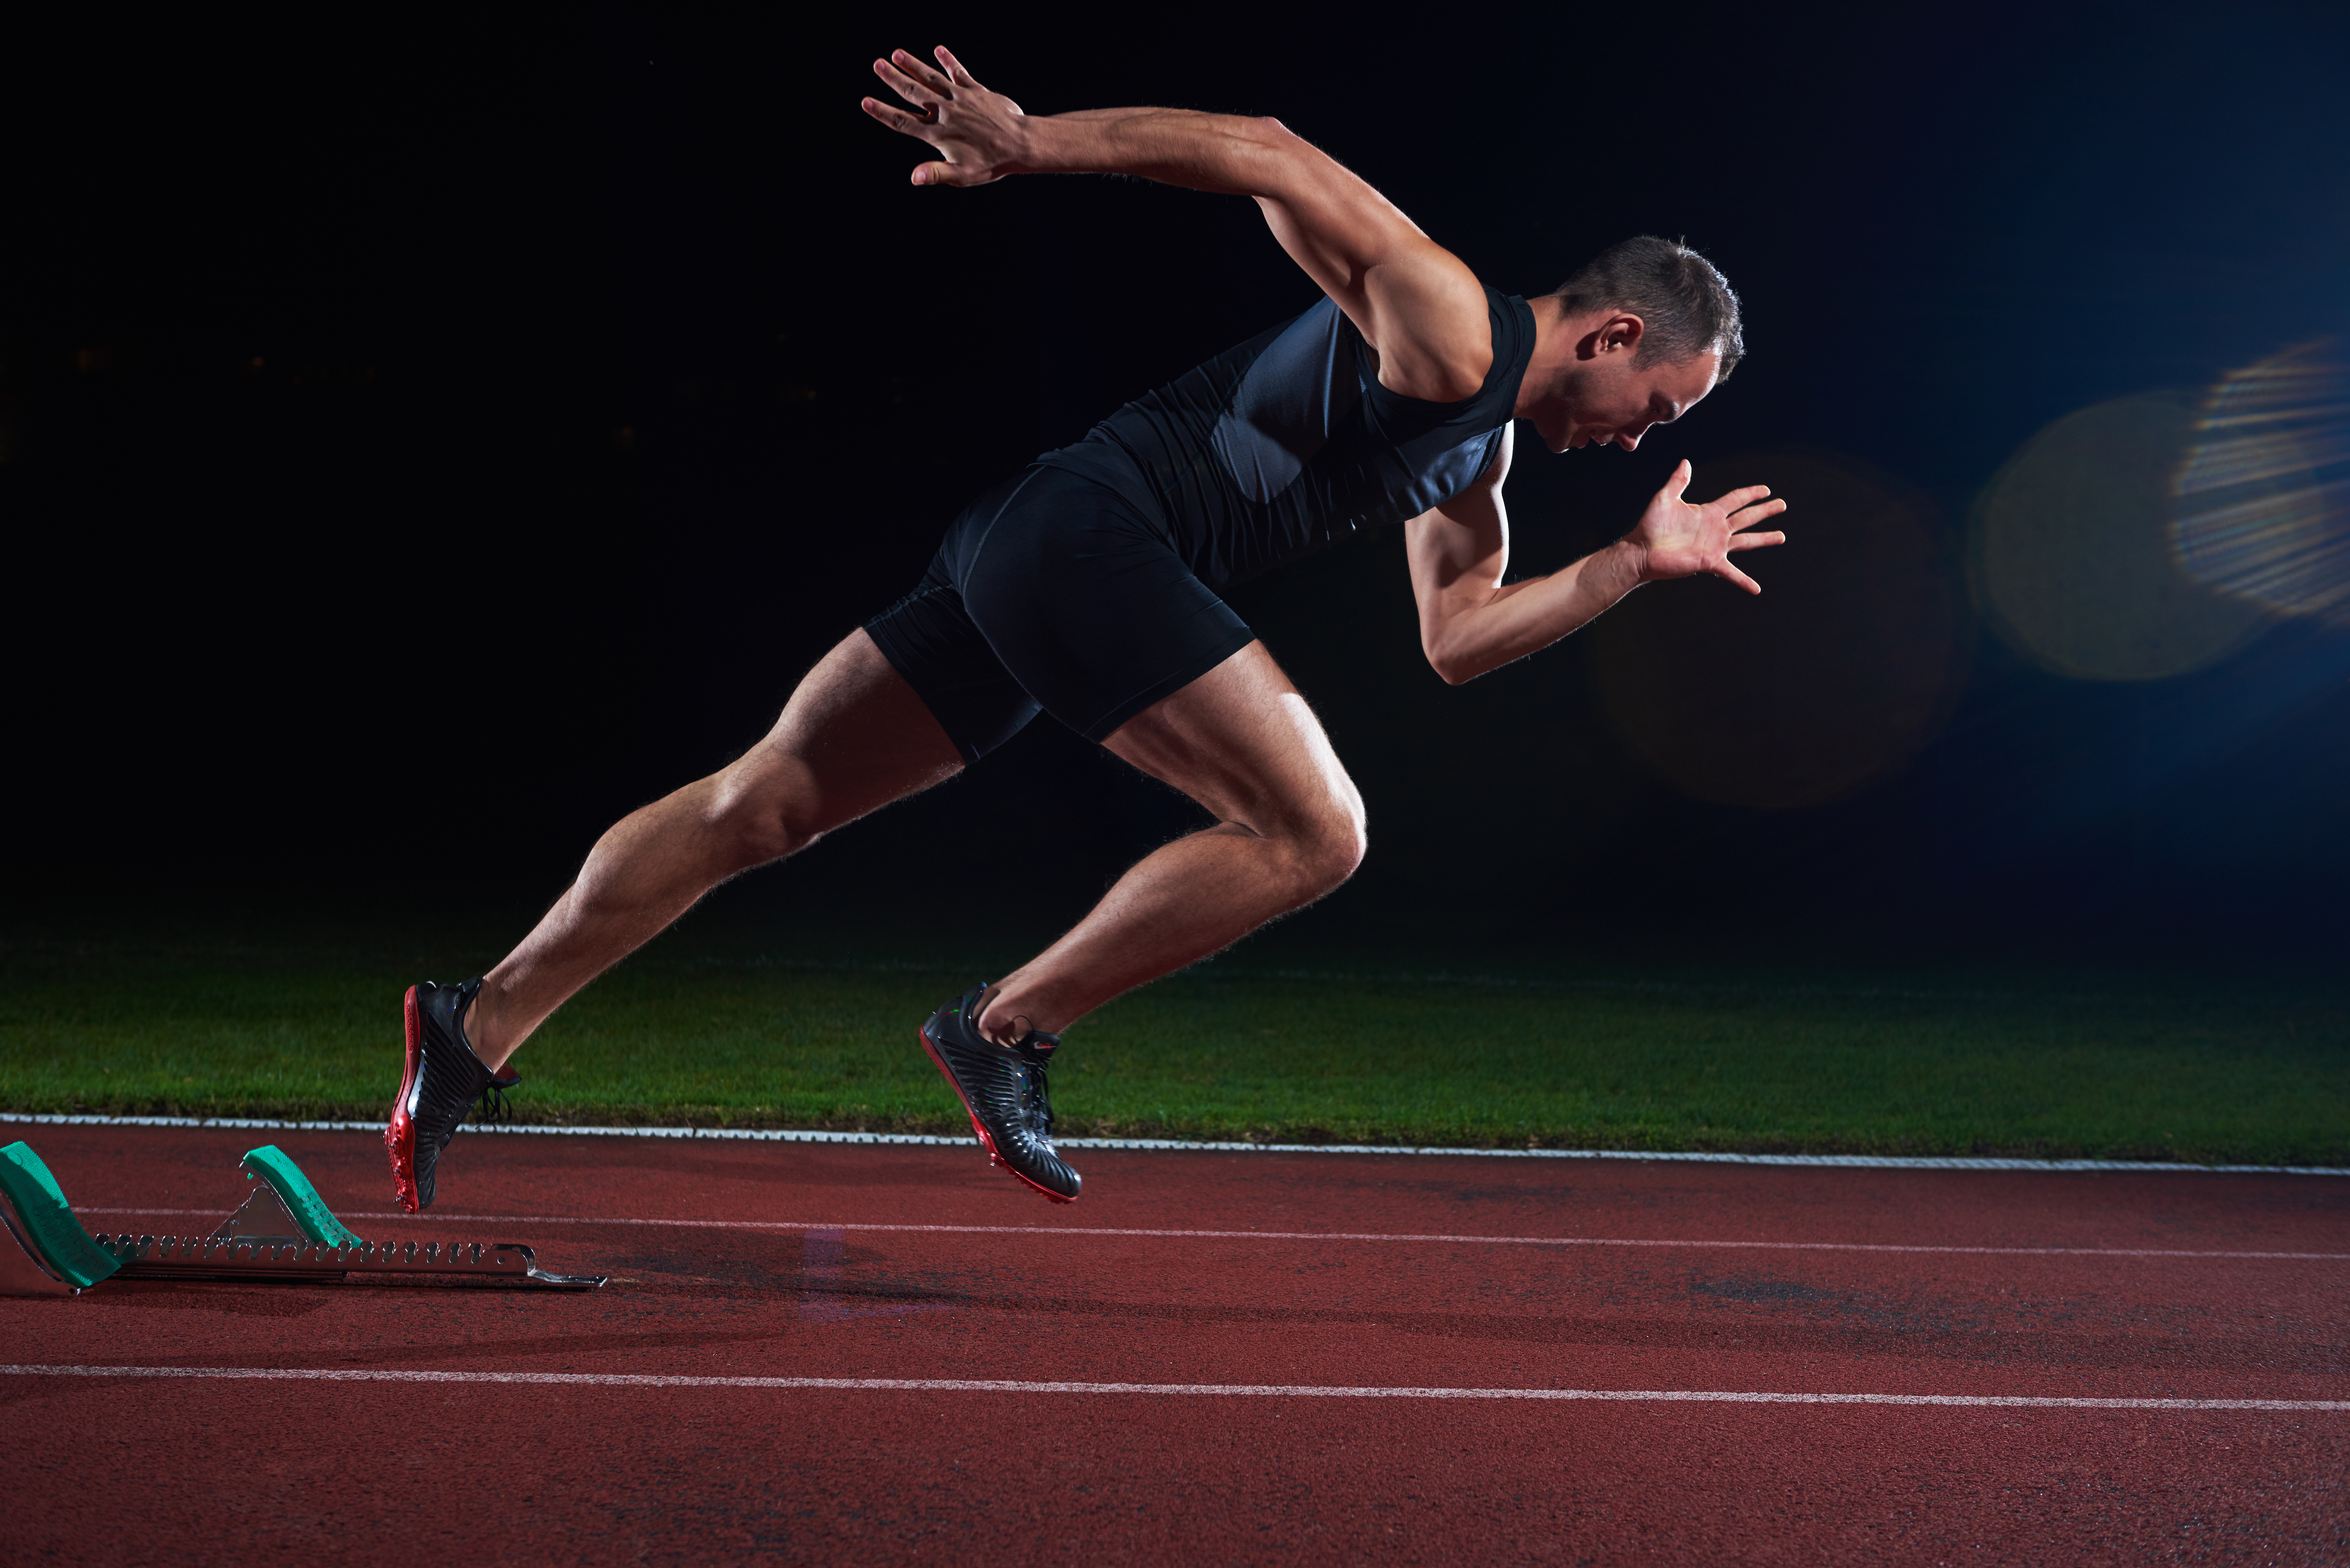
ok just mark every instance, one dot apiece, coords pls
pixel 1287 444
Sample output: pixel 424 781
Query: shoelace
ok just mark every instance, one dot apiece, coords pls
pixel 493 1099
pixel 1034 1100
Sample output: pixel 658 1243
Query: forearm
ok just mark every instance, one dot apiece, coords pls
pixel 1526 617
pixel 1414 302
pixel 1231 154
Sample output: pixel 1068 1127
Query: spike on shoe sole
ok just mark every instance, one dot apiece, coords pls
pixel 399 1134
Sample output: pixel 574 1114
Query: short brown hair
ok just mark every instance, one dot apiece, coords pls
pixel 1685 305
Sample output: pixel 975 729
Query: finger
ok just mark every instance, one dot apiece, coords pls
pixel 1749 516
pixel 1680 481
pixel 922 72
pixel 895 118
pixel 1728 573
pixel 1737 499
pixel 904 85
pixel 1755 541
pixel 951 173
pixel 955 72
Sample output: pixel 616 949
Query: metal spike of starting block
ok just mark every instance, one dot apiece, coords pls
pixel 283 1231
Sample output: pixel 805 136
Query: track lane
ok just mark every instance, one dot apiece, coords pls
pixel 641 1477
pixel 877 1471
pixel 195 1169
pixel 1326 1307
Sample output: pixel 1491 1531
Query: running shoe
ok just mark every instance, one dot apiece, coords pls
pixel 1003 1088
pixel 444 1079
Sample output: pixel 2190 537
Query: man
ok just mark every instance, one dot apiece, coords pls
pixel 1087 587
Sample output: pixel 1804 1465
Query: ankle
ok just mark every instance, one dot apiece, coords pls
pixel 481 1034
pixel 1005 1019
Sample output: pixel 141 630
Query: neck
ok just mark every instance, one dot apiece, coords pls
pixel 1547 368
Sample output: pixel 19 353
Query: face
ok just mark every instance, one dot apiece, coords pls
pixel 1608 401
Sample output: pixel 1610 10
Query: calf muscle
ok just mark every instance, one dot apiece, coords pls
pixel 853 738
pixel 1243 742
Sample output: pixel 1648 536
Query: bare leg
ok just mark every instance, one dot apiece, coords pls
pixel 1241 742
pixel 853 738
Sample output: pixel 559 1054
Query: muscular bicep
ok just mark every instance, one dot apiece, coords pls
pixel 1459 553
pixel 1415 302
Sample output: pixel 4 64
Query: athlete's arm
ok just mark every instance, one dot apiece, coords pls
pixel 1471 621
pixel 1414 301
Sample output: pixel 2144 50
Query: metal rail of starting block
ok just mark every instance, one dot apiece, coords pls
pixel 284 1231
pixel 252 1257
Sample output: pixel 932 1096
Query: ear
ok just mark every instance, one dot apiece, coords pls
pixel 1618 331
pixel 1621 332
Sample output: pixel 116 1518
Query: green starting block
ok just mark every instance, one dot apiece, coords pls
pixel 64 1260
pixel 283 1231
pixel 285 1204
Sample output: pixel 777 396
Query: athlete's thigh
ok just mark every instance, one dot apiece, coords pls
pixel 1241 742
pixel 853 738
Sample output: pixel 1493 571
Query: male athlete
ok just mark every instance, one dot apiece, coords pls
pixel 1088 587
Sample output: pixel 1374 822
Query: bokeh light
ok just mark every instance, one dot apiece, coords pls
pixel 2072 551
pixel 2262 501
pixel 1833 678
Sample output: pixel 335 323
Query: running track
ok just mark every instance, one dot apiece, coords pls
pixel 1320 1387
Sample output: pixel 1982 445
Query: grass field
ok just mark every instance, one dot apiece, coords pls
pixel 1655 1056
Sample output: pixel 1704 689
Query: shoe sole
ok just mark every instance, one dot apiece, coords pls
pixel 987 1140
pixel 400 1136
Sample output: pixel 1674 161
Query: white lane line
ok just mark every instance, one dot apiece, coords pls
pixel 789 1225
pixel 776 1135
pixel 1245 1390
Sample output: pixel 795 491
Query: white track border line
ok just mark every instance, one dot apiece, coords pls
pixel 1701 1245
pixel 761 1135
pixel 1245 1390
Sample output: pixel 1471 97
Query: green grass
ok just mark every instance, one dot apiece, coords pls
pixel 1680 1059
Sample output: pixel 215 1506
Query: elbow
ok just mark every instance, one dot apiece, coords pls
pixel 1270 135
pixel 1450 666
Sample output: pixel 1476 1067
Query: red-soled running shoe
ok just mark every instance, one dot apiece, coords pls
pixel 1003 1088
pixel 444 1079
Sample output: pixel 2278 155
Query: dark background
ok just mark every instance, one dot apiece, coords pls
pixel 425 441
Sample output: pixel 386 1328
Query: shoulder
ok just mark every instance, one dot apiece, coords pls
pixel 1431 324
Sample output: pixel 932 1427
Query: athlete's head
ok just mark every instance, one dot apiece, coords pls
pixel 1634 339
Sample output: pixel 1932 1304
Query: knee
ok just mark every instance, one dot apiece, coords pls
pixel 1340 851
pixel 754 826
pixel 1330 846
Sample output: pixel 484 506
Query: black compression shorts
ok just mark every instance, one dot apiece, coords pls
pixel 1052 590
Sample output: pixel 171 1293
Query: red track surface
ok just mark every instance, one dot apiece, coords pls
pixel 154 1468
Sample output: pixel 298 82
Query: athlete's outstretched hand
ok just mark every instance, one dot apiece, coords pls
pixel 1679 540
pixel 977 132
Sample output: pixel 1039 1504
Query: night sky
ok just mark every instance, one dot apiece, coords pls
pixel 423 447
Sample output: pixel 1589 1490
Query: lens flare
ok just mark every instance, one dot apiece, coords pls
pixel 2262 501
pixel 2072 555
pixel 1829 681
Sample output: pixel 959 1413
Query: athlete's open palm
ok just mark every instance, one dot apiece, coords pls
pixel 975 131
pixel 1680 540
